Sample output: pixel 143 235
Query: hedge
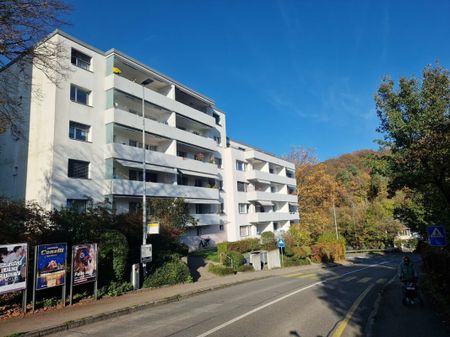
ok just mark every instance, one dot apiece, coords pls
pixel 220 270
pixel 171 272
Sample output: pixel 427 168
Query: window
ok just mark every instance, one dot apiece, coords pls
pixel 133 207
pixel 199 231
pixel 243 209
pixel 221 185
pixel 79 131
pixel 78 205
pixel 218 140
pixel 273 189
pixel 79 95
pixel 198 182
pixel 132 143
pixel 241 187
pixel 222 208
pixel 218 162
pixel 221 228
pixel 151 147
pixel 244 230
pixel 81 60
pixel 275 226
pixel 78 169
pixel 217 118
pixel 135 175
pixel 289 174
pixel 240 165
pixel 138 175
pixel 182 180
pixel 182 154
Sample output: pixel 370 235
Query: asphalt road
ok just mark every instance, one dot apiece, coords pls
pixel 335 302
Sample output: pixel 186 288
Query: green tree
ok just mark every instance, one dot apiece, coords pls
pixel 415 121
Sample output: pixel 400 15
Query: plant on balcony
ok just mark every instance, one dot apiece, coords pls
pixel 199 156
pixel 211 161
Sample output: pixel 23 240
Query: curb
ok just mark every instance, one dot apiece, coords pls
pixel 376 307
pixel 128 310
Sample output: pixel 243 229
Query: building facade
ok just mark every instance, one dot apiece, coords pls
pixel 83 143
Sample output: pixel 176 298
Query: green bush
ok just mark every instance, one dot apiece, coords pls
pixel 115 289
pixel 222 248
pixel 267 237
pixel 246 268
pixel 113 252
pixel 220 270
pixel 295 261
pixel 297 236
pixel 244 246
pixel 171 272
pixel 234 260
pixel 301 252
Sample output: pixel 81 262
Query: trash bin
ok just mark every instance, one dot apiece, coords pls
pixel 135 275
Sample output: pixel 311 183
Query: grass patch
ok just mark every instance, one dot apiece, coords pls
pixel 220 270
pixel 207 254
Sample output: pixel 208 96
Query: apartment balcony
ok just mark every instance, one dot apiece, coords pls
pixel 271 216
pixel 134 188
pixel 125 118
pixel 255 155
pixel 208 219
pixel 135 89
pixel 257 195
pixel 125 152
pixel 269 177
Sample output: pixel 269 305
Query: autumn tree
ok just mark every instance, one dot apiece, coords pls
pixel 415 122
pixel 24 25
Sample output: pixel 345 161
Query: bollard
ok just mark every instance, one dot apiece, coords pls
pixel 135 275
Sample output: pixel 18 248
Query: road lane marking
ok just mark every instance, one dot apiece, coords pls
pixel 248 313
pixel 348 279
pixel 341 327
pixel 301 275
pixel 381 281
pixel 364 280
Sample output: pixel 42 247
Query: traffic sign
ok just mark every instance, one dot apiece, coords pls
pixel 436 236
pixel 280 243
pixel 146 253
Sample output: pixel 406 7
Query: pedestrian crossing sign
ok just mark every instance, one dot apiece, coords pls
pixel 436 236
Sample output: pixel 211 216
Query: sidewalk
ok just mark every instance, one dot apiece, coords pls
pixel 43 323
pixel 393 319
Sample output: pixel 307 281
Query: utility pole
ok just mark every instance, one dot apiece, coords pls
pixel 335 222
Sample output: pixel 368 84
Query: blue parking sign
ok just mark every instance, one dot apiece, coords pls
pixel 436 236
pixel 280 243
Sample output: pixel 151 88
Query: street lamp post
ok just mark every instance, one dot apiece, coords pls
pixel 144 187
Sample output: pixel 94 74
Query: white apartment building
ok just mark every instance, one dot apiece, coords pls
pixel 260 192
pixel 82 143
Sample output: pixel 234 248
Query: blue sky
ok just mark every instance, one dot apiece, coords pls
pixel 285 72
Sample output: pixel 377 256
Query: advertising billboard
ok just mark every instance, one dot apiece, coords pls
pixel 13 267
pixel 84 263
pixel 51 265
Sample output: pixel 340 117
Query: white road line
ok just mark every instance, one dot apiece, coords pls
pixel 223 325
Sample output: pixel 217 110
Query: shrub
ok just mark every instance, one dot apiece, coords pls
pixel 301 252
pixel 245 268
pixel 171 272
pixel 220 270
pixel 222 248
pixel 297 236
pixel 295 261
pixel 244 246
pixel 268 241
pixel 115 289
pixel 113 252
pixel 234 260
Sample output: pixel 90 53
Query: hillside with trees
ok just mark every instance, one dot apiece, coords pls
pixel 349 187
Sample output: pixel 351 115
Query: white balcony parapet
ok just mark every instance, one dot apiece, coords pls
pixel 255 154
pixel 125 118
pixel 271 216
pixel 135 89
pixel 269 177
pixel 256 195
pixel 134 188
pixel 125 152
pixel 208 219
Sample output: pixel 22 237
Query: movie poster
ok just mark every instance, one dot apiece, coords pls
pixel 51 265
pixel 13 267
pixel 84 263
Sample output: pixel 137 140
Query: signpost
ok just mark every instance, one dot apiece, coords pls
pixel 436 236
pixel 146 253
pixel 152 228
pixel 13 270
pixel 84 266
pixel 50 263
pixel 281 246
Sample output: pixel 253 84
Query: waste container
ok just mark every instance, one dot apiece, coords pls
pixel 135 275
